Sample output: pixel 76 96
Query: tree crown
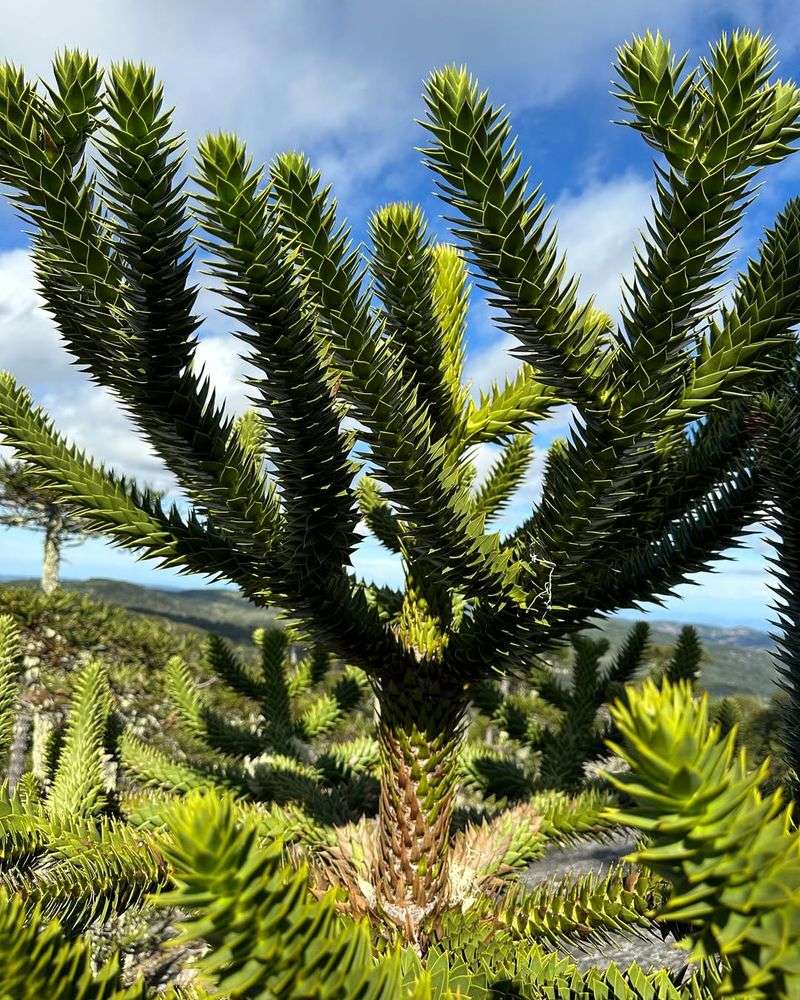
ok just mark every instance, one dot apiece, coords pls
pixel 361 410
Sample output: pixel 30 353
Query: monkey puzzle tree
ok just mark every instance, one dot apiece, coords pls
pixel 563 723
pixel 360 387
pixel 22 505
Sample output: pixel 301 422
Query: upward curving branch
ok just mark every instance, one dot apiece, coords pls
pixel 361 408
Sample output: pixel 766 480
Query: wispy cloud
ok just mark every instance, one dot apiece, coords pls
pixel 598 226
pixel 344 79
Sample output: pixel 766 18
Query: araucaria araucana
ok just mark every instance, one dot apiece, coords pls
pixel 360 386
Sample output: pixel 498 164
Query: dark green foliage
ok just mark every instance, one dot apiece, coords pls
pixel 359 368
pixel 632 504
pixel 564 727
pixel 226 665
pixel 628 660
pixel 761 729
pixel 726 714
pixel 782 447
pixel 274 688
pixel 266 734
pixel 684 664
pixel 561 729
pixel 495 774
pixel 577 741
pixel 603 481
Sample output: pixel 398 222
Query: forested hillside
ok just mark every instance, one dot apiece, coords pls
pixel 738 660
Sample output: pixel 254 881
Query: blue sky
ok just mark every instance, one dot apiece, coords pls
pixel 341 80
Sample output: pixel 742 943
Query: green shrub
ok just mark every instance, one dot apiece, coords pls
pixel 728 853
pixel 276 738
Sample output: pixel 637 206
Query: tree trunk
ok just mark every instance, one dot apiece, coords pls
pixel 421 727
pixel 51 560
pixel 19 748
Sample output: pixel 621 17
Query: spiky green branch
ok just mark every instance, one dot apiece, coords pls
pixel 360 361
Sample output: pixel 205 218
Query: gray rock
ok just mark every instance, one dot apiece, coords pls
pixel 597 857
pixel 584 858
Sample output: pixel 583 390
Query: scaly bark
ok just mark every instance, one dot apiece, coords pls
pixel 420 729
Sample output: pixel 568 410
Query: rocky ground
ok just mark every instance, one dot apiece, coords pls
pixel 591 857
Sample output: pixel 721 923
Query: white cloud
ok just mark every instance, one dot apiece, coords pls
pixel 220 356
pixel 92 419
pixel 598 228
pixel 30 349
pixel 343 79
pixel 29 343
pixel 483 458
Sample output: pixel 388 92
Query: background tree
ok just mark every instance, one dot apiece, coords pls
pixel 563 725
pixel 364 365
pixel 23 504
pixel 289 751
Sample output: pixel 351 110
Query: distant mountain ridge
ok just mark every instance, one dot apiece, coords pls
pixel 739 659
pixel 729 635
pixel 222 611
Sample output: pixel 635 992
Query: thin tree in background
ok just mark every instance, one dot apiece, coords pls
pixel 23 504
pixel 361 391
